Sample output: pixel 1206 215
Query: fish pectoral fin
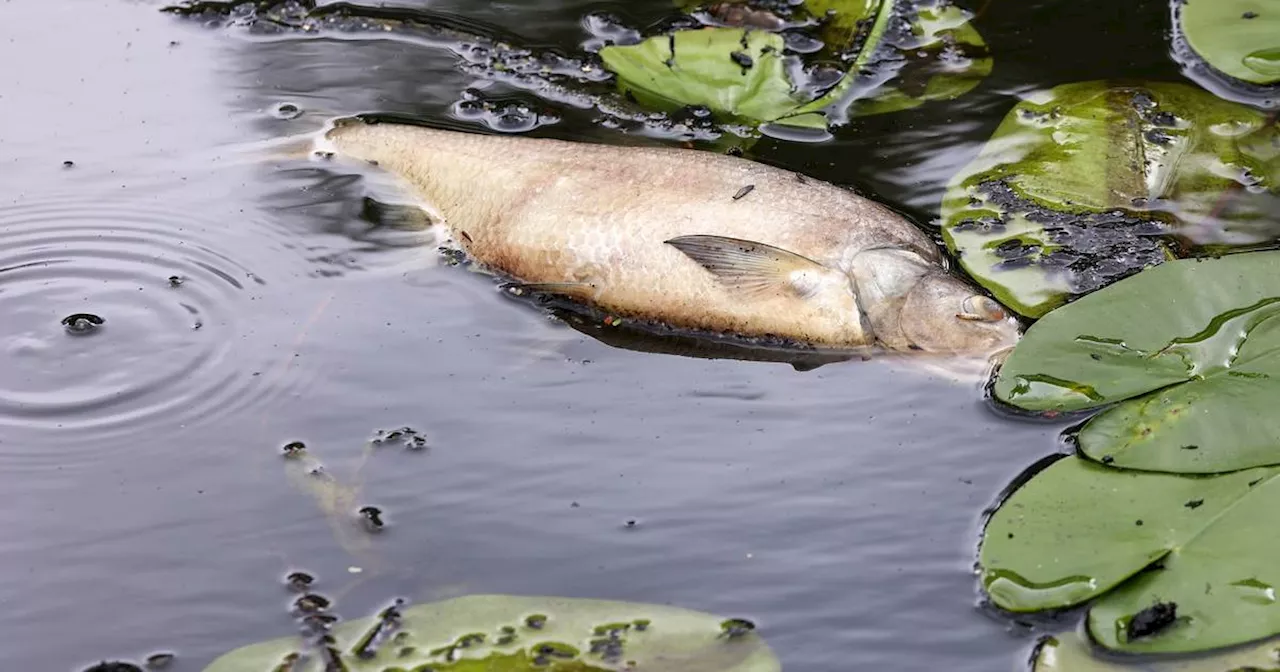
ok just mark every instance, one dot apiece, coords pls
pixel 581 291
pixel 750 266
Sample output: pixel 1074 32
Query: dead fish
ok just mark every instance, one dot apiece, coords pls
pixel 654 234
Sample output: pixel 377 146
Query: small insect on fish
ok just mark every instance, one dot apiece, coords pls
pixel 646 234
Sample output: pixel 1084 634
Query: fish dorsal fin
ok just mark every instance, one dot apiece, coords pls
pixel 750 266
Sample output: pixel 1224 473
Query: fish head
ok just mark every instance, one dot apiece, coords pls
pixel 914 304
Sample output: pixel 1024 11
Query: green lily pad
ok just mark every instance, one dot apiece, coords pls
pixel 944 58
pixel 741 73
pixel 848 20
pixel 1069 652
pixel 1186 357
pixel 1239 38
pixel 731 71
pixel 501 633
pixel 1078 530
pixel 1090 182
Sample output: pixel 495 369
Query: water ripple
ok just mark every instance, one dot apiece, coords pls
pixel 177 344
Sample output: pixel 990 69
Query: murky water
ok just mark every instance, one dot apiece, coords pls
pixel 249 302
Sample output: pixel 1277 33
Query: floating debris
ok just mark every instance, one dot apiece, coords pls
pixel 114 666
pixel 82 323
pixel 408 437
pixel 299 581
pixel 372 517
pixel 736 627
pixel 1152 620
pixel 286 111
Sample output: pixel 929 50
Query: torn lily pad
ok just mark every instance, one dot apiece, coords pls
pixel 1069 652
pixel 501 633
pixel 1087 183
pixel 1184 359
pixel 1173 563
pixel 933 53
pixel 891 55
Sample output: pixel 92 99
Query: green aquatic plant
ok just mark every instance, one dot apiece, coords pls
pixel 1183 358
pixel 1174 563
pixel 1090 182
pixel 503 633
pixel 1069 652
pixel 735 72
pixel 1238 38
pixel 928 50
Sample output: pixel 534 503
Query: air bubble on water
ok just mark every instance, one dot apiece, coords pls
pixel 286 111
pixel 82 323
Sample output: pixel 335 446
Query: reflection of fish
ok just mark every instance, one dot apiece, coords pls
pixel 694 240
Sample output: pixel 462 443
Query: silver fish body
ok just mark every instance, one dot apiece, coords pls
pixel 694 240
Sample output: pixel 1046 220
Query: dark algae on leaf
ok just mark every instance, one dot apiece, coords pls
pixel 503 633
pixel 1152 620
pixel 1087 183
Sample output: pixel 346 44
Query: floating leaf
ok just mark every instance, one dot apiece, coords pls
pixel 943 57
pixel 498 633
pixel 1190 349
pixel 1238 38
pixel 731 71
pixel 1078 531
pixel 846 24
pixel 1069 652
pixel 1082 184
pixel 898 54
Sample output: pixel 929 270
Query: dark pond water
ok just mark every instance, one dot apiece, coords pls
pixel 147 505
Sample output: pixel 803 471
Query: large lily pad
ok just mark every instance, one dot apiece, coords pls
pixel 1078 530
pixel 1189 349
pixel 1239 38
pixel 1089 182
pixel 1069 652
pixel 501 633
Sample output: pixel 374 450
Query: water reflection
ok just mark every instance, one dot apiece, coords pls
pixel 836 509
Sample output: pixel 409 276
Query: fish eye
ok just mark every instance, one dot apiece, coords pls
pixel 980 308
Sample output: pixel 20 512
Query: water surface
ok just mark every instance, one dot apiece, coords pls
pixel 149 508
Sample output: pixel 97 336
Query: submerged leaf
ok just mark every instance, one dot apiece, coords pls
pixel 1069 652
pixel 1078 531
pixel 943 57
pixel 1238 38
pixel 499 633
pixel 1087 183
pixel 1190 350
